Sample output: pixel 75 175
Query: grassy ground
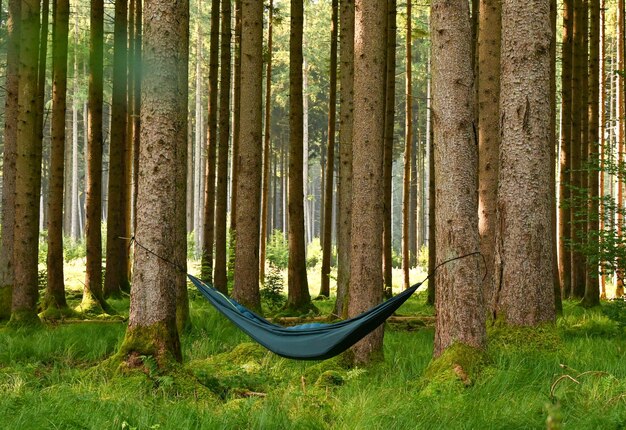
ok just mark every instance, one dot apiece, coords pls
pixel 571 377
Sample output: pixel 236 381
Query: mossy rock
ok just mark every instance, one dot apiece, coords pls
pixel 460 365
pixel 335 364
pixel 544 337
pixel 330 378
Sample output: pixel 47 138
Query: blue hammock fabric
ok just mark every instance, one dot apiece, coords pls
pixel 311 341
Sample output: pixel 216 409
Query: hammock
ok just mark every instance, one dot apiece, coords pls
pixel 312 341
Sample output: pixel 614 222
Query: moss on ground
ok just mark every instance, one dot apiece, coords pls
pixel 24 319
pixel 458 366
pixel 53 313
pixel 544 337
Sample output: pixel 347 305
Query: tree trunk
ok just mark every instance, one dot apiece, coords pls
pixel 592 286
pixel 525 294
pixel 367 191
pixel 28 172
pixel 408 146
pixel 390 110
pixel 116 274
pixel 208 231
pixel 246 287
pixel 55 291
pixel 432 250
pixel 136 120
pixel 565 254
pixel 266 146
pixel 577 232
pixel 92 292
pixel 327 246
pixel 220 277
pixel 234 176
pixel 74 230
pixel 7 275
pixel 488 133
pixel 298 289
pixel 602 131
pixel 344 234
pixel 152 322
pixel 459 300
pixel 621 124
pixel 197 171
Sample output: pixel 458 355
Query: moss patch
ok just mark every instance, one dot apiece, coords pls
pixel 52 313
pixel 459 365
pixel 24 318
pixel 544 337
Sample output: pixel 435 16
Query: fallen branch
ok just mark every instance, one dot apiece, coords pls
pixel 559 379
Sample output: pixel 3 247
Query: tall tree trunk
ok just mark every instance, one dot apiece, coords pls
pixel 602 131
pixel 621 124
pixel 367 192
pixel 488 132
pixel 408 146
pixel 459 300
pixel 55 290
pixel 344 234
pixel 327 247
pixel 525 294
pixel 208 230
pixel 197 171
pixel 592 286
pixel 152 323
pixel 266 146
pixel 136 120
pixel 578 69
pixel 28 172
pixel 234 175
pixel 246 287
pixel 116 264
pixel 432 249
pixel 220 276
pixel 92 292
pixel 565 166
pixel 9 157
pixel 553 144
pixel 390 110
pixel 298 288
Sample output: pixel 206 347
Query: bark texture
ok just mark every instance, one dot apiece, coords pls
pixel 116 265
pixel 221 193
pixel 162 172
pixel 458 294
pixel 246 288
pixel 55 291
pixel 28 171
pixel 524 275
pixel 327 248
pixel 346 108
pixel 92 292
pixel 298 289
pixel 9 156
pixel 488 132
pixel 408 149
pixel 367 192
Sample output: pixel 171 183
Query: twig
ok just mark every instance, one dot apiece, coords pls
pixel 559 379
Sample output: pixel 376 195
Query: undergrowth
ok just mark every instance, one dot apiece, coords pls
pixel 572 376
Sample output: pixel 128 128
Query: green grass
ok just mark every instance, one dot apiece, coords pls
pixel 573 375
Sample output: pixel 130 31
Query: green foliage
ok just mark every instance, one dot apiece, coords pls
pixel 272 289
pixel 74 249
pixel 422 258
pixel 277 250
pixel 314 253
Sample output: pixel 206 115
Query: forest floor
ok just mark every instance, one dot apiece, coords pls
pixel 571 377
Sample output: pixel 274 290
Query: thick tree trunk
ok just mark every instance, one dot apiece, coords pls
pixel 459 300
pixel 432 249
pixel 55 291
pixel 152 322
pixel 92 292
pixel 327 248
pixel 367 192
pixel 621 124
pixel 298 290
pixel 220 276
pixel 116 265
pixel 565 254
pixel 524 277
pixel 390 110
pixel 488 133
pixel 234 175
pixel 208 230
pixel 28 172
pixel 344 234
pixel 408 146
pixel 136 119
pixel 592 286
pixel 246 287
pixel 266 146
pixel 9 157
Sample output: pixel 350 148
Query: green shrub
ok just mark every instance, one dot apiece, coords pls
pixel 272 290
pixel 73 249
pixel 277 250
pixel 314 253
